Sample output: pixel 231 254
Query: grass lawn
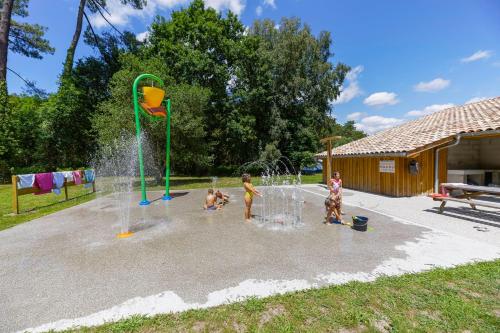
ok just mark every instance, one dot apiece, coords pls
pixel 34 206
pixel 462 299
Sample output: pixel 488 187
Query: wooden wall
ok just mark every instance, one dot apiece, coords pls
pixel 362 173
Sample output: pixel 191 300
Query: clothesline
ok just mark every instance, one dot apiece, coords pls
pixel 47 182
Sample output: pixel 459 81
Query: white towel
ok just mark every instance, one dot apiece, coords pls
pixel 25 181
pixel 68 175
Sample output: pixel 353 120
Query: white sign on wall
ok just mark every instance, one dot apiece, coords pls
pixel 387 166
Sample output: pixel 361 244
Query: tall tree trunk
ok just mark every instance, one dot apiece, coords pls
pixel 70 55
pixel 6 141
pixel 4 36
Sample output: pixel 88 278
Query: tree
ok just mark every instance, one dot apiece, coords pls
pixel 24 38
pixel 94 6
pixel 201 47
pixel 191 150
pixel 5 22
pixel 71 110
pixel 287 85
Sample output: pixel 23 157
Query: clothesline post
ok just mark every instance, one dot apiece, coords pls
pixel 65 188
pixel 15 197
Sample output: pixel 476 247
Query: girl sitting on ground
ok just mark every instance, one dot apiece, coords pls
pixel 249 192
pixel 333 202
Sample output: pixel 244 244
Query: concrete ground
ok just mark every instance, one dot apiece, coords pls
pixel 482 224
pixel 69 269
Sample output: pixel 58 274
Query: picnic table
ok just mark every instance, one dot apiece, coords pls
pixel 468 193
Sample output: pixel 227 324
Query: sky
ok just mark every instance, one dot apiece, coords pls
pixel 407 58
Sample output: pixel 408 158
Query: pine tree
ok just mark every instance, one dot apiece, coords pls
pixel 94 6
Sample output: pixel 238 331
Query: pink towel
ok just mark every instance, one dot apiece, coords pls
pixel 444 191
pixel 77 177
pixel 44 182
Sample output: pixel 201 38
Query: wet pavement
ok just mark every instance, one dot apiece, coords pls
pixel 70 265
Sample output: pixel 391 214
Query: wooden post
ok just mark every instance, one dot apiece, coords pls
pixel 329 159
pixel 93 185
pixel 15 197
pixel 65 188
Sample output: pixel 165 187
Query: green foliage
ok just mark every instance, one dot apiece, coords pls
pixel 237 95
pixel 25 38
pixel 7 141
pixel 26 117
pixel 191 151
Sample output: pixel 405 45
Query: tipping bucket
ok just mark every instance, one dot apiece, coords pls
pixel 153 96
pixel 359 223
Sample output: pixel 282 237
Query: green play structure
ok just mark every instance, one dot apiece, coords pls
pixel 149 100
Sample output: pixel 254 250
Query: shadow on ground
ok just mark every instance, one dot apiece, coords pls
pixel 485 217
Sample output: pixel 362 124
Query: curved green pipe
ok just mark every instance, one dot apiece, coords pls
pixel 137 109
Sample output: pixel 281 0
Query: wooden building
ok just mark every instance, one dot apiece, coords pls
pixel 459 144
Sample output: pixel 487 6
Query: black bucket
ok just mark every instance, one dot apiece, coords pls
pixel 359 223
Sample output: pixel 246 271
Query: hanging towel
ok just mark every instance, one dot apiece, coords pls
pixel 25 181
pixel 68 175
pixel 77 177
pixel 58 181
pixel 89 177
pixel 44 182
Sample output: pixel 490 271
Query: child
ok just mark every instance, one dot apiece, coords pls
pixel 333 203
pixel 249 192
pixel 211 201
pixel 223 196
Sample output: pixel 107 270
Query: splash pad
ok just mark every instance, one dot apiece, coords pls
pixel 282 199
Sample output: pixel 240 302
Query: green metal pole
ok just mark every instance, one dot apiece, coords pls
pixel 167 162
pixel 144 200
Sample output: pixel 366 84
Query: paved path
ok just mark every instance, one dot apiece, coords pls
pixel 69 269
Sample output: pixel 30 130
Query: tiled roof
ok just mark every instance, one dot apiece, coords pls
pixel 419 133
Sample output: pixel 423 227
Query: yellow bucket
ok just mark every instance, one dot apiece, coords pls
pixel 153 96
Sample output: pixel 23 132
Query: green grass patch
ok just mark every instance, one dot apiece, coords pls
pixel 34 206
pixel 187 182
pixel 461 299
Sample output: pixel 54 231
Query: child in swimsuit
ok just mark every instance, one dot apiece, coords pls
pixel 222 196
pixel 211 201
pixel 249 192
pixel 333 202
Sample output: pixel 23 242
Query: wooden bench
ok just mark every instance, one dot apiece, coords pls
pixel 16 192
pixel 469 192
pixel 472 203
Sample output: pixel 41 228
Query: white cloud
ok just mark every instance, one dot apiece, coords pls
pixel 258 10
pixel 120 15
pixel 431 86
pixel 142 36
pixel 381 98
pixel 270 3
pixel 481 54
pixel 373 124
pixel 265 3
pixel 429 109
pixel 477 99
pixel 355 116
pixel 236 6
pixel 352 90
